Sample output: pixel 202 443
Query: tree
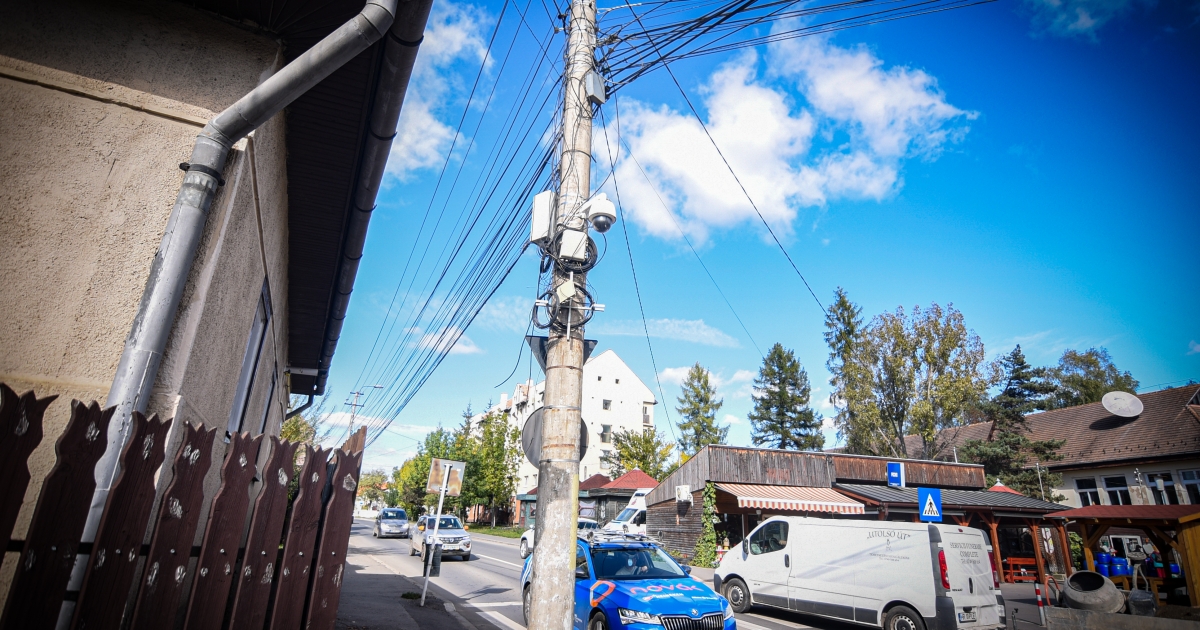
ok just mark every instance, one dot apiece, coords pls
pixel 1008 449
pixel 781 417
pixel 1085 377
pixel 372 485
pixel 903 376
pixel 414 473
pixel 498 459
pixel 309 426
pixel 648 451
pixel 698 407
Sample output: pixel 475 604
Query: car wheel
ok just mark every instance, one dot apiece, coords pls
pixel 526 603
pixel 902 618
pixel 738 595
pixel 524 548
pixel 375 533
pixel 465 557
pixel 598 622
pixel 412 551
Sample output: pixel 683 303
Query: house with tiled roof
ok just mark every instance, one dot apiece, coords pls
pixel 613 496
pixel 1150 459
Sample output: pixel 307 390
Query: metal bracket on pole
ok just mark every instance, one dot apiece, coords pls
pixel 537 345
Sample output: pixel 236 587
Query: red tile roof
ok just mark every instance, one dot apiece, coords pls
pixel 633 480
pixel 999 487
pixel 1133 512
pixel 595 481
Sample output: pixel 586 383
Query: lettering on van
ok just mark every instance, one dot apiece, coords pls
pixel 887 536
pixel 888 533
pixel 969 553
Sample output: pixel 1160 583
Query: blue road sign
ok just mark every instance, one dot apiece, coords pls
pixel 895 472
pixel 929 502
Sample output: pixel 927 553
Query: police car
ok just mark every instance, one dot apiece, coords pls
pixel 629 582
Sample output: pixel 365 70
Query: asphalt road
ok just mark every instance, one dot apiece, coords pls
pixel 486 588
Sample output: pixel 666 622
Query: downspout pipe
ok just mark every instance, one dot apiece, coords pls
pixel 147 340
pixel 399 55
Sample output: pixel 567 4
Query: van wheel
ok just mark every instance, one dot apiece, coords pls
pixel 524 548
pixel 598 622
pixel 902 618
pixel 738 595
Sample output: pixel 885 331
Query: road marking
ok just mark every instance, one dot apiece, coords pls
pixel 461 619
pixel 502 622
pixel 519 566
pixel 781 622
pixel 493 604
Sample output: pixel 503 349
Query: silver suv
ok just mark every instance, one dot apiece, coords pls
pixel 451 533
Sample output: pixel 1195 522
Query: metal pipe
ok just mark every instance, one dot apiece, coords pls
pixel 147 340
pixel 300 409
pixel 400 52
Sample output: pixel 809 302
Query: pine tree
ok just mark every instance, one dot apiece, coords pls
pixel 1008 450
pixel 781 417
pixel 844 336
pixel 698 407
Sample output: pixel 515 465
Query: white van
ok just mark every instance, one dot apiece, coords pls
pixel 632 519
pixel 901 576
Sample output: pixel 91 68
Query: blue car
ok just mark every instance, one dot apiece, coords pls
pixel 627 582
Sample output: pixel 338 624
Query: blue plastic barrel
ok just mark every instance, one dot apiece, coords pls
pixel 1103 558
pixel 1102 569
pixel 1174 569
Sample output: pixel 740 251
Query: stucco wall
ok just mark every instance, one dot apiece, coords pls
pixel 99 103
pixel 1139 492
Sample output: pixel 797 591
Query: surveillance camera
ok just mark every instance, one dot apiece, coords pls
pixel 601 212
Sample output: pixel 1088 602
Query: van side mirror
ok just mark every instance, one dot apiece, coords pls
pixel 687 568
pixel 745 546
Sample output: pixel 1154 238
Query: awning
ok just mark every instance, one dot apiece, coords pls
pixel 792 498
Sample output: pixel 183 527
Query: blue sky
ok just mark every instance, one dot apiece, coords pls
pixel 1033 163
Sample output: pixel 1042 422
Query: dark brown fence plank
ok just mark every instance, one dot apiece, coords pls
pixel 20 433
pixel 335 537
pixel 112 567
pixel 166 566
pixel 226 523
pixel 38 587
pixel 262 546
pixel 301 542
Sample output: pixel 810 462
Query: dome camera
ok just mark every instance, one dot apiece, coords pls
pixel 601 212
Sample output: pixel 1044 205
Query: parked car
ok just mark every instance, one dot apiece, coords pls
pixel 527 538
pixel 391 522
pixel 630 582
pixel 901 576
pixel 451 533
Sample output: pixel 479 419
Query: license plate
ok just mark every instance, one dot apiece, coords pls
pixel 964 617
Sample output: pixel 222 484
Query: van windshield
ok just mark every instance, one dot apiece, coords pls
pixel 634 564
pixel 625 515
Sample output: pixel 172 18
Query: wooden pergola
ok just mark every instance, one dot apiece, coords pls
pixel 1158 522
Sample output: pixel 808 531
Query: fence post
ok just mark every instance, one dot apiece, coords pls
pixel 335 538
pixel 21 426
pixel 297 561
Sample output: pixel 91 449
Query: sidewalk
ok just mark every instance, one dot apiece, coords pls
pixel 372 600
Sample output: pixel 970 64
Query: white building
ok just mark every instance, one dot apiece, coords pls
pixel 614 399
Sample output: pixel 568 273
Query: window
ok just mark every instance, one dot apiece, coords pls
pixel 1163 488
pixel 581 568
pixel 769 538
pixel 254 346
pixel 606 433
pixel 618 381
pixel 1118 490
pixel 640 519
pixel 607 405
pixel 1088 494
pixel 1191 485
pixel 604 455
pixel 634 564
pixel 266 414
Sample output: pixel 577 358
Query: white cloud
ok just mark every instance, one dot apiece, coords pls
pixel 454 35
pixel 1193 347
pixel 452 340
pixel 1077 18
pixel 509 314
pixel 732 419
pixel 676 375
pixel 690 330
pixel 784 155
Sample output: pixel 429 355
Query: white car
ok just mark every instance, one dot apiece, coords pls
pixel 879 573
pixel 527 538
pixel 451 533
pixel 391 522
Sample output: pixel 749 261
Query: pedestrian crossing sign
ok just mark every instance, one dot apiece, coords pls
pixel 929 503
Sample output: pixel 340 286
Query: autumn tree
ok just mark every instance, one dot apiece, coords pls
pixel 1085 377
pixel 372 485
pixel 648 451
pixel 698 407
pixel 308 426
pixel 781 417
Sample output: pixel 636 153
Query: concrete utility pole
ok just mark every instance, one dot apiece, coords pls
pixel 553 586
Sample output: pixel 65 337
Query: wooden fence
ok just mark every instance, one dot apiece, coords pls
pixel 275 564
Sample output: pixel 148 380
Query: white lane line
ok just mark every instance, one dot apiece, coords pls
pixel 502 622
pixel 461 619
pixel 519 566
pixel 492 604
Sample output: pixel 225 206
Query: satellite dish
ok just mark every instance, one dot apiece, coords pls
pixel 531 437
pixel 1122 404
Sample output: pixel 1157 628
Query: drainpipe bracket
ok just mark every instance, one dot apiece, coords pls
pixel 200 168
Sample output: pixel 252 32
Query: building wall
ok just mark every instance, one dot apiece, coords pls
pixel 1140 492
pixel 99 103
pixel 677 525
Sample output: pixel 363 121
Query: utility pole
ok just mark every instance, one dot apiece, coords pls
pixel 553 586
pixel 354 407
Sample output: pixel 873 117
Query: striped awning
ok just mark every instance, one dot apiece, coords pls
pixel 791 498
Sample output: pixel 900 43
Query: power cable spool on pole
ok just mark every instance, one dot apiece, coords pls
pixel 560 223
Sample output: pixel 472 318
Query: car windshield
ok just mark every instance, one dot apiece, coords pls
pixel 446 522
pixel 587 525
pixel 634 564
pixel 625 515
pixel 394 514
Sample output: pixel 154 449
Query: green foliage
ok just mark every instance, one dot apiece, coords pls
pixel 706 547
pixel 781 417
pixel 499 455
pixel 1085 377
pixel 371 485
pixel 902 375
pixel 648 451
pixel 698 407
pixel 308 426
pixel 1076 547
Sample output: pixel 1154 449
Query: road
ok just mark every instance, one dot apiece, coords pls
pixel 486 589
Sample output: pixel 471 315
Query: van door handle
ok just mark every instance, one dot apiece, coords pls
pixel 971 584
pixel 787 561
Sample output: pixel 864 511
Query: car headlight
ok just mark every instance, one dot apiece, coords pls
pixel 728 611
pixel 637 616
